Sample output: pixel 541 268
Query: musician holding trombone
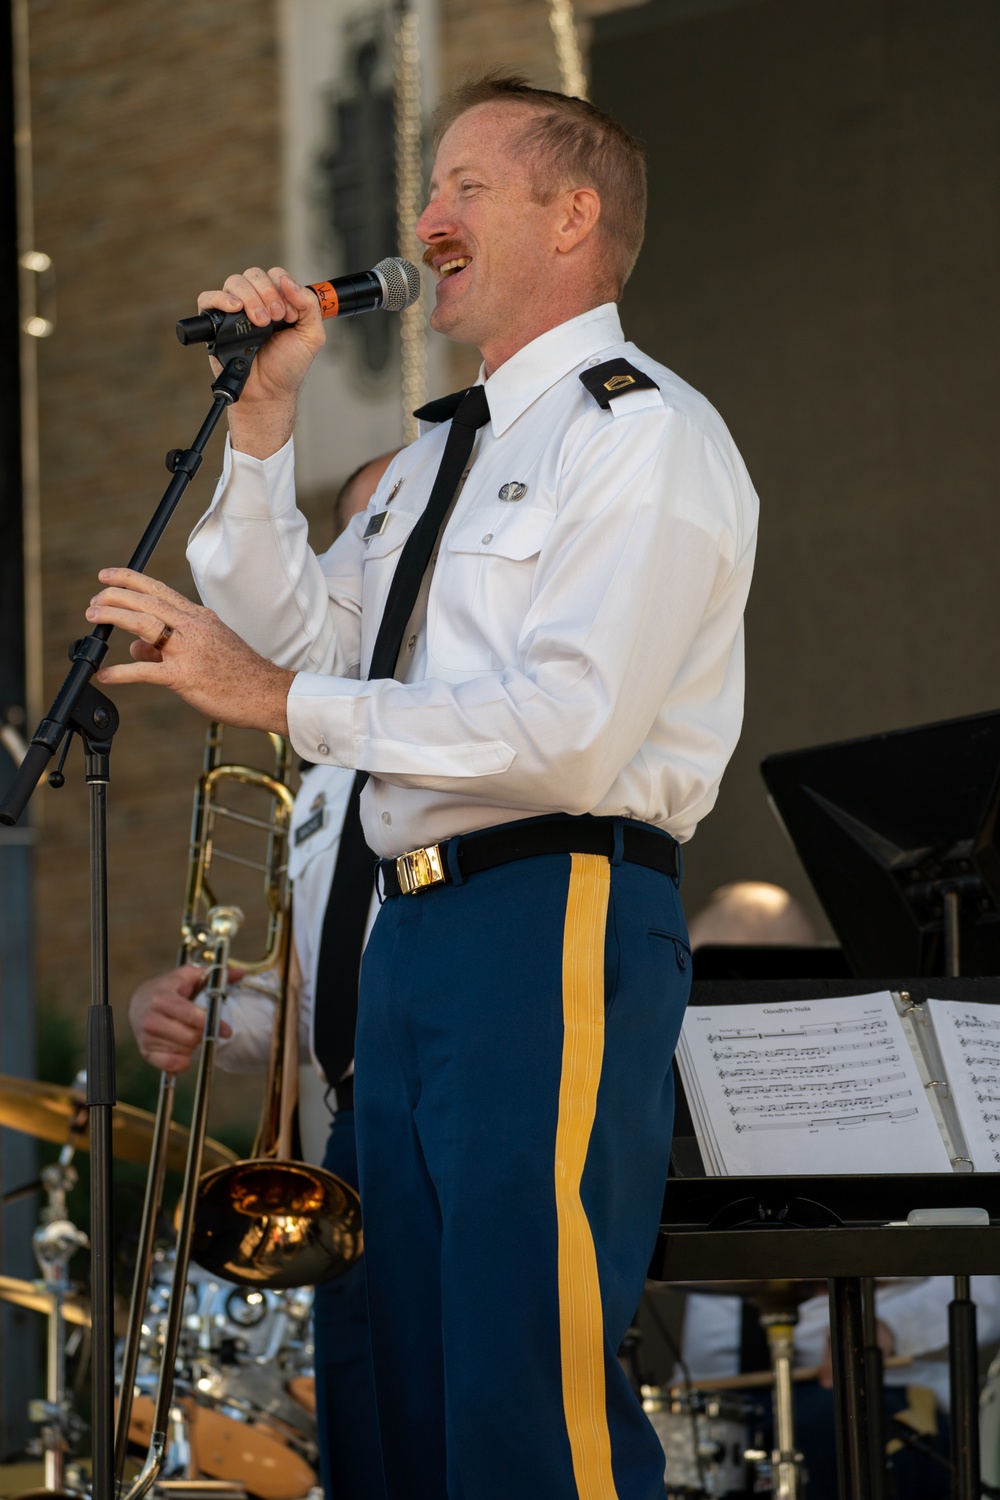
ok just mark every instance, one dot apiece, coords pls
pixel 169 1024
pixel 531 647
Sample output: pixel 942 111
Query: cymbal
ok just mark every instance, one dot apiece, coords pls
pixel 58 1114
pixel 26 1294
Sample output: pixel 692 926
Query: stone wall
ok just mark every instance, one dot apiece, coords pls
pixel 156 151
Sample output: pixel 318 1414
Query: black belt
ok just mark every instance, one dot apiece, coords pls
pixel 422 868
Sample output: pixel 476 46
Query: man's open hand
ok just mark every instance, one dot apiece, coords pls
pixel 185 647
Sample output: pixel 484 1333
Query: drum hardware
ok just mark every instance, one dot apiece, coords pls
pixel 239 1350
pixel 777 1301
pixel 706 1440
pixel 33 1296
pixel 266 1222
pixel 786 1461
pixel 55 1242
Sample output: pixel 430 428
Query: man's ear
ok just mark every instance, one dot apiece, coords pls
pixel 581 209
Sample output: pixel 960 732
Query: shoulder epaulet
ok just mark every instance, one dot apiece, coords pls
pixel 614 378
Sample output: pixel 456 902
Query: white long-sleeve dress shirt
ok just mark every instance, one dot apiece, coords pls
pixel 577 649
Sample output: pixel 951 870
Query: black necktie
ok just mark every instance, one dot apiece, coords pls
pixel 470 413
pixel 338 970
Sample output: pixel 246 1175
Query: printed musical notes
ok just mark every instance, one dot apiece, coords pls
pixel 968 1036
pixel 814 1086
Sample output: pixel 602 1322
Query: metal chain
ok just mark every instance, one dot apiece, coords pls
pixel 409 201
pixel 572 77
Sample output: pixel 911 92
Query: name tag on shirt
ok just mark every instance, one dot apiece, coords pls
pixel 376 525
pixel 307 829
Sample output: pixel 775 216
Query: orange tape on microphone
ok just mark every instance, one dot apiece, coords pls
pixel 329 302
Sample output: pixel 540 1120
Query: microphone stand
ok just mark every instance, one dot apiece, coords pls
pixel 79 708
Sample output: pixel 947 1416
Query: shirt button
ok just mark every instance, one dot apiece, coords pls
pixel 387 818
pixel 323 748
pixel 488 538
pixel 411 643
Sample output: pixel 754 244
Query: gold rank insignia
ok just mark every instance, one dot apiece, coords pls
pixel 613 378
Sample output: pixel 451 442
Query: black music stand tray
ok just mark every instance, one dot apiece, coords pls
pixel 833 1229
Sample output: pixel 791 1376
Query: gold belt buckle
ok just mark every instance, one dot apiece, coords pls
pixel 420 868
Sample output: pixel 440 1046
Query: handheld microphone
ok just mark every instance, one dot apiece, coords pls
pixel 393 284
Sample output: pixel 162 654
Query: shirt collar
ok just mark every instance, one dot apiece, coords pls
pixel 530 372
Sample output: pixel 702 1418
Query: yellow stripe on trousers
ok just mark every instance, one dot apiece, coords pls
pixel 580 1316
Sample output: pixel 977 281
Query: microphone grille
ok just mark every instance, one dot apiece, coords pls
pixel 402 283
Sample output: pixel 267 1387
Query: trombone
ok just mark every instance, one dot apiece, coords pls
pixel 267 1221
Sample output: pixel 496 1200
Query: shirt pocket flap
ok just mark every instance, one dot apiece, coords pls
pixel 398 525
pixel 515 534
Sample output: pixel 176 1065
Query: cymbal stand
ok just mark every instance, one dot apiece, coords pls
pixel 55 1241
pixel 786 1461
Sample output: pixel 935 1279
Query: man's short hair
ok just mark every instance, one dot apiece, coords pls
pixel 569 143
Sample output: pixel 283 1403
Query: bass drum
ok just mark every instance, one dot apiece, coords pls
pixel 255 1455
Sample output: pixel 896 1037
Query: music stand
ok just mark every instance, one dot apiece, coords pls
pixel 898 834
pixel 837 1229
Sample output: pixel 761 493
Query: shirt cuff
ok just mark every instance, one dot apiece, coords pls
pixel 254 489
pixel 320 712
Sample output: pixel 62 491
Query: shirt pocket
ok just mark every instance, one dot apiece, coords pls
pixel 379 560
pixel 487 566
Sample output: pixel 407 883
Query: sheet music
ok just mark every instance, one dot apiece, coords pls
pixel 811 1086
pixel 968 1037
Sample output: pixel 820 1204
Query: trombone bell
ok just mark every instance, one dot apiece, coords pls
pixel 279 1223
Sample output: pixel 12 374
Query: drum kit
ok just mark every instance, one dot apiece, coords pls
pixel 242 1419
pixel 214 1362
pixel 713 1433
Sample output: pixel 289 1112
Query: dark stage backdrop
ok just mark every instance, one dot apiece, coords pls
pixel 821 261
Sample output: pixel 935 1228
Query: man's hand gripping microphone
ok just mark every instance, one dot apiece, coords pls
pixel 392 285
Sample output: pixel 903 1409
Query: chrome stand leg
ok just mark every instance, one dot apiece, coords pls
pixel 786 1460
pixel 54 1242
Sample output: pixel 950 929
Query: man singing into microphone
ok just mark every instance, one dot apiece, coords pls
pixel 531 647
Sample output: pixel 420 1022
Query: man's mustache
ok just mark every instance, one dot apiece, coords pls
pixel 443 250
